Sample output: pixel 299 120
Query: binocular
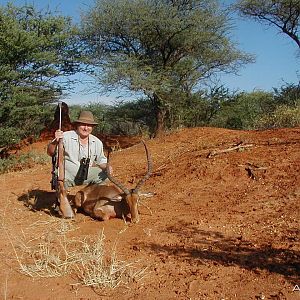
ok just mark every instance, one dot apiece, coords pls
pixel 83 170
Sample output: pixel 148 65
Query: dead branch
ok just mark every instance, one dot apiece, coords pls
pixel 238 147
pixel 253 169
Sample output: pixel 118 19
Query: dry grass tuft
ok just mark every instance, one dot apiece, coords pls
pixel 50 257
pixel 53 254
pixel 98 270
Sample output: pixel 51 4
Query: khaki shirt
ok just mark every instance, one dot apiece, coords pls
pixel 74 152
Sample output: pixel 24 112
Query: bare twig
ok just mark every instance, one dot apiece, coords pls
pixel 252 170
pixel 238 147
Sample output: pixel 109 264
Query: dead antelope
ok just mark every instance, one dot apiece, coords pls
pixel 106 202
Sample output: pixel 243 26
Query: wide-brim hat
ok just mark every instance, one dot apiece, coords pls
pixel 86 117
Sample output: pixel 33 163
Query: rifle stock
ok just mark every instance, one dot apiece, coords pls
pixel 54 177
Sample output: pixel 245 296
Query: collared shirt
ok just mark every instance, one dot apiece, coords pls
pixel 74 151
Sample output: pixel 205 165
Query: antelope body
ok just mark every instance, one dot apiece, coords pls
pixel 105 202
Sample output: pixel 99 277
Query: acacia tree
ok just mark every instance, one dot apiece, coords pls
pixel 35 49
pixel 162 48
pixel 283 14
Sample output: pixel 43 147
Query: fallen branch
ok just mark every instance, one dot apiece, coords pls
pixel 238 147
pixel 252 170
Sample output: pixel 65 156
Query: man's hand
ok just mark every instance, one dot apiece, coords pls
pixel 59 134
pixel 104 167
pixel 52 146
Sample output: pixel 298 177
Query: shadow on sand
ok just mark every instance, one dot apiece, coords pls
pixel 40 200
pixel 199 246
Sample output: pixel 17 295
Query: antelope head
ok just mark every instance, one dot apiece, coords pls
pixel 132 196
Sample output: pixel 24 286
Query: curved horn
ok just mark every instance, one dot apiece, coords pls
pixel 148 174
pixel 114 180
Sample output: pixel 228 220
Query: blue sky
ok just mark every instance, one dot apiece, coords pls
pixel 277 56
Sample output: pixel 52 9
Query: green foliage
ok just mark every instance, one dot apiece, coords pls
pixel 283 116
pixel 288 94
pixel 242 110
pixel 260 110
pixel 21 117
pixel 132 117
pixel 217 107
pixel 286 109
pixel 9 136
pixel 160 48
pixel 201 107
pixel 283 14
pixel 36 48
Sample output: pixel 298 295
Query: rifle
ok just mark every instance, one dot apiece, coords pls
pixel 58 176
pixel 55 167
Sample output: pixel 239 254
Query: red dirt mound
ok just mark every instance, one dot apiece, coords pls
pixel 223 222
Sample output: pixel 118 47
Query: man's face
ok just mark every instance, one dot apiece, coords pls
pixel 84 130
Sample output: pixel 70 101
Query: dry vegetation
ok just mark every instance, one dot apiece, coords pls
pixel 54 254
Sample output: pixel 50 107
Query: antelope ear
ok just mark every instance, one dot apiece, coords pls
pixel 79 198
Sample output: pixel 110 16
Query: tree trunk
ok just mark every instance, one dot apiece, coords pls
pixel 160 122
pixel 160 113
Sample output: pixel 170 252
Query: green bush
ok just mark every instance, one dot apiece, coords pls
pixel 131 118
pixel 283 116
pixel 22 116
pixel 243 110
pixel 9 136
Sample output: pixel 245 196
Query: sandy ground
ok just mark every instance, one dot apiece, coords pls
pixel 221 225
